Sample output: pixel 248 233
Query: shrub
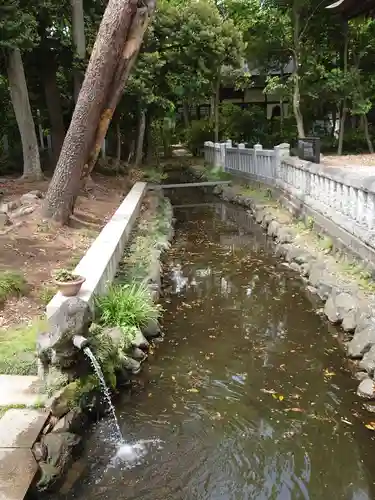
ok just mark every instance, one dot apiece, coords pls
pixel 126 306
pixel 11 284
pixel 196 135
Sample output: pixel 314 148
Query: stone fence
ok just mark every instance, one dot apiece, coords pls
pixel 100 262
pixel 342 195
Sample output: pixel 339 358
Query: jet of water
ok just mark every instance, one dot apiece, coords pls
pixel 96 366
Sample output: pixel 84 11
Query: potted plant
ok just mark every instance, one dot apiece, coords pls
pixel 69 284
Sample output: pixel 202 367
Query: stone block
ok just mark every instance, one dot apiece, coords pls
pixel 20 428
pixel 17 471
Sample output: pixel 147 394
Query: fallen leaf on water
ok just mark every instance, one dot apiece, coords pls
pixel 327 373
pixel 193 389
pixel 296 409
pixel 370 426
pixel 280 397
pixel 346 421
pixel 268 391
pixel 173 377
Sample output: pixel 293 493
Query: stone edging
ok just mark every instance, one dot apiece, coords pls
pixel 344 303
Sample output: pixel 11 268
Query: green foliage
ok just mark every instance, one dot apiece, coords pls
pixel 196 135
pixel 126 306
pixel 64 276
pixel 17 349
pixel 154 175
pixel 46 294
pixel 12 283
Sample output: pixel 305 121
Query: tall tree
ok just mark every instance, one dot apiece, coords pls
pixel 116 48
pixel 18 30
pixel 79 39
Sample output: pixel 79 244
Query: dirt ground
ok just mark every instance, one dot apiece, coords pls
pixel 36 250
pixel 363 160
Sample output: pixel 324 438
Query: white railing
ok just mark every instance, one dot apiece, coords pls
pixel 344 195
pixel 100 262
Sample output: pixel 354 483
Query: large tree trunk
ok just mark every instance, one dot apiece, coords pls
pixel 367 134
pixel 52 94
pixel 186 114
pixel 119 38
pixel 140 138
pixel 296 90
pixel 78 24
pixel 216 109
pixel 118 145
pixel 344 107
pixel 22 109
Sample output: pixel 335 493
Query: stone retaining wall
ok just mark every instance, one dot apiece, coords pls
pixel 99 264
pixel 343 302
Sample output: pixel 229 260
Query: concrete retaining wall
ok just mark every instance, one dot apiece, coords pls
pixel 100 262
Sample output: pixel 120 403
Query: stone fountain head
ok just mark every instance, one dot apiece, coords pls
pixel 68 329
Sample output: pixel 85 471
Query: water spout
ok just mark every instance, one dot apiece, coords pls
pixel 80 342
pixel 97 368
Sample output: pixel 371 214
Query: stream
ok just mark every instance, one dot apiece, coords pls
pixel 247 398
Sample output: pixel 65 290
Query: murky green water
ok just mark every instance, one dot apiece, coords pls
pixel 247 397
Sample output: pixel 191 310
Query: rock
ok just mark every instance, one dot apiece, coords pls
pixel 259 214
pixel 48 475
pixel 4 220
pixel 368 361
pixel 267 219
pixel 366 389
pixel 37 193
pixel 339 305
pixel 138 354
pixel 285 235
pixel 63 401
pixel 369 407
pixel 131 364
pixel 349 321
pixel 74 421
pixel 281 250
pixel 273 229
pixel 116 334
pixel 140 340
pixel 316 273
pixel 61 447
pixel 361 342
pixel 360 376
pixel 293 253
pixel 29 198
pixel 40 451
pixel 20 212
pixel 295 267
pixel 152 329
pixel 305 269
pixel 55 347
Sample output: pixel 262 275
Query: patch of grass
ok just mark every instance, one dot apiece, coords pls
pixel 256 192
pixel 126 306
pixel 154 175
pixel 12 284
pixel 17 348
pixel 362 275
pixel 46 294
pixel 326 244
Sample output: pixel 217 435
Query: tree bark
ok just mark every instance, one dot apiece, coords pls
pixel 53 102
pixel 296 90
pixel 140 138
pixel 216 110
pixel 367 134
pixel 22 109
pixel 116 47
pixel 186 114
pixel 79 40
pixel 118 145
pixel 344 108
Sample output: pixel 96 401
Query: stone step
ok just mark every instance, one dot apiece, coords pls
pixel 17 471
pixel 19 390
pixel 20 428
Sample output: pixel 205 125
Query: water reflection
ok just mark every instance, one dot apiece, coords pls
pixel 245 395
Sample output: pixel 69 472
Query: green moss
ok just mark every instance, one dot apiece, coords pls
pixel 256 192
pixel 17 348
pixel 12 284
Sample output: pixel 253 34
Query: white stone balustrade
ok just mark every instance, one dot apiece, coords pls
pixel 345 195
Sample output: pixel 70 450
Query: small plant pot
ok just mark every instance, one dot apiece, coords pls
pixel 70 288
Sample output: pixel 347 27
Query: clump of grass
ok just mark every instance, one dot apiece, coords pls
pixel 11 284
pixel 154 175
pixel 17 349
pixel 127 306
pixel 46 294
